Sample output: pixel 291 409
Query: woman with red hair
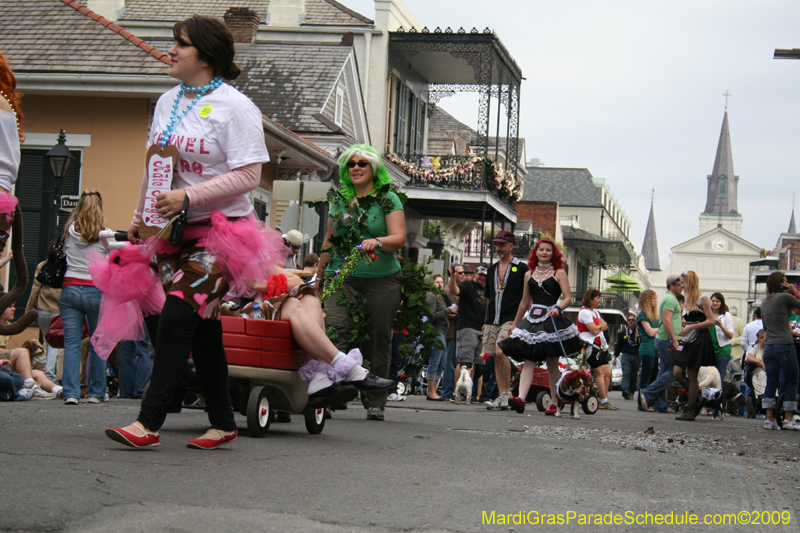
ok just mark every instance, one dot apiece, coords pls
pixel 540 333
pixel 11 136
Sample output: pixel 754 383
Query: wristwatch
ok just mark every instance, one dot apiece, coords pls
pixel 380 244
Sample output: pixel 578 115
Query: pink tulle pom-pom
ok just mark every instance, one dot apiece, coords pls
pixel 8 203
pixel 131 290
pixel 247 249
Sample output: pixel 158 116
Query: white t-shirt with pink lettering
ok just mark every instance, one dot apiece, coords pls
pixel 223 131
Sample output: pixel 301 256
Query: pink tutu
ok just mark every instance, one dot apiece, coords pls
pixel 248 249
pixel 131 290
pixel 8 203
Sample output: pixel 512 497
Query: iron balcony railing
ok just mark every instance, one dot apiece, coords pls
pixel 466 174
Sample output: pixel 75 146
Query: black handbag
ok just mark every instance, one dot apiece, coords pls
pixel 179 224
pixel 52 272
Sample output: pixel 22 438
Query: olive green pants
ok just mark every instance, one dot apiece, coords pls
pixel 382 302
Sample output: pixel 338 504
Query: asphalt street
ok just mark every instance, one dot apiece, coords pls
pixel 431 466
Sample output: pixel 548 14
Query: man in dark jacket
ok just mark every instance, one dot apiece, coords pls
pixel 627 350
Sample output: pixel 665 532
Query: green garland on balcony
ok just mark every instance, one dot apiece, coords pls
pixel 504 182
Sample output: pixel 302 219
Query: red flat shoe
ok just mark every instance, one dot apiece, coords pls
pixel 551 411
pixel 517 404
pixel 148 440
pixel 211 444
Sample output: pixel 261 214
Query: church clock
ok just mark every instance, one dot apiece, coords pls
pixel 719 244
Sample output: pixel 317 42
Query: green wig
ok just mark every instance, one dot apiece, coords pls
pixel 379 173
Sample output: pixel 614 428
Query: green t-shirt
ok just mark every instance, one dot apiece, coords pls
pixel 648 343
pixel 668 303
pixel 719 351
pixel 375 217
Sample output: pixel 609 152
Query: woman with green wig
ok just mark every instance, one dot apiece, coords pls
pixel 365 212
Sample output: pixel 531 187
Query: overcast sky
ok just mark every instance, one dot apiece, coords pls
pixel 632 90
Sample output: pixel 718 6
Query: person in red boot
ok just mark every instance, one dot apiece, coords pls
pixel 217 182
pixel 539 333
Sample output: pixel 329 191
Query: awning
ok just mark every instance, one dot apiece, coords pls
pixel 623 281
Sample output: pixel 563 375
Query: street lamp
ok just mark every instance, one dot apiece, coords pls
pixel 60 159
pixel 436 243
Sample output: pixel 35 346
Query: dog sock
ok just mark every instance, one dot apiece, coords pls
pixel 347 367
pixel 57 389
pixel 604 400
pixel 29 383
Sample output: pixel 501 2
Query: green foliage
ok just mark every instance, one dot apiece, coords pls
pixel 332 334
pixel 414 316
pixel 429 230
pixel 546 235
pixel 350 218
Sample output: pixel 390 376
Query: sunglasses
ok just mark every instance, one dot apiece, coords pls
pixel 295 248
pixel 361 164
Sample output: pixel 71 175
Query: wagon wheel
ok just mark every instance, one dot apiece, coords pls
pixel 315 420
pixel 258 412
pixel 751 407
pixel 589 405
pixel 543 401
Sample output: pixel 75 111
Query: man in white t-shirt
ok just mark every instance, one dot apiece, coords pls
pixel 750 334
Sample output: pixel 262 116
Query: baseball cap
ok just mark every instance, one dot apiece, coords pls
pixel 481 270
pixel 505 236
pixel 672 279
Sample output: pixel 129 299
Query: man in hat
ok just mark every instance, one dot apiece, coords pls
pixel 294 241
pixel 505 283
pixel 669 314
pixel 469 318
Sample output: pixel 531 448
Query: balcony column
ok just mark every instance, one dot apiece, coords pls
pixel 491 245
pixel 483 229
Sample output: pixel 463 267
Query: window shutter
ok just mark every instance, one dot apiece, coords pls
pixel 35 193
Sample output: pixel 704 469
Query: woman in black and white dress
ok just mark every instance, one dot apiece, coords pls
pixel 539 332
pixel 697 346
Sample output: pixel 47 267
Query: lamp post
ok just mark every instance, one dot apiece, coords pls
pixel 60 159
pixel 436 243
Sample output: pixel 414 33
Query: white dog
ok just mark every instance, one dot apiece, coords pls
pixel 464 386
pixel 569 389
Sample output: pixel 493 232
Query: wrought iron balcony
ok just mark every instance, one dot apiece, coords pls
pixel 453 172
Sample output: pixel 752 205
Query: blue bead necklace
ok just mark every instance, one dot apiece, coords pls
pixel 175 117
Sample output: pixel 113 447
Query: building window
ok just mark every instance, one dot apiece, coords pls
pixel 339 111
pixel 262 199
pixel 409 121
pixel 581 279
pixel 722 191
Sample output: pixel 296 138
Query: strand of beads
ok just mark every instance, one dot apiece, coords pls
pixel 541 275
pixel 13 110
pixel 175 117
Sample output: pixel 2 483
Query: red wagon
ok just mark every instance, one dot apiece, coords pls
pixel 264 357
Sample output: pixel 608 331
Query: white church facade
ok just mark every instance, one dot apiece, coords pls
pixel 719 255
